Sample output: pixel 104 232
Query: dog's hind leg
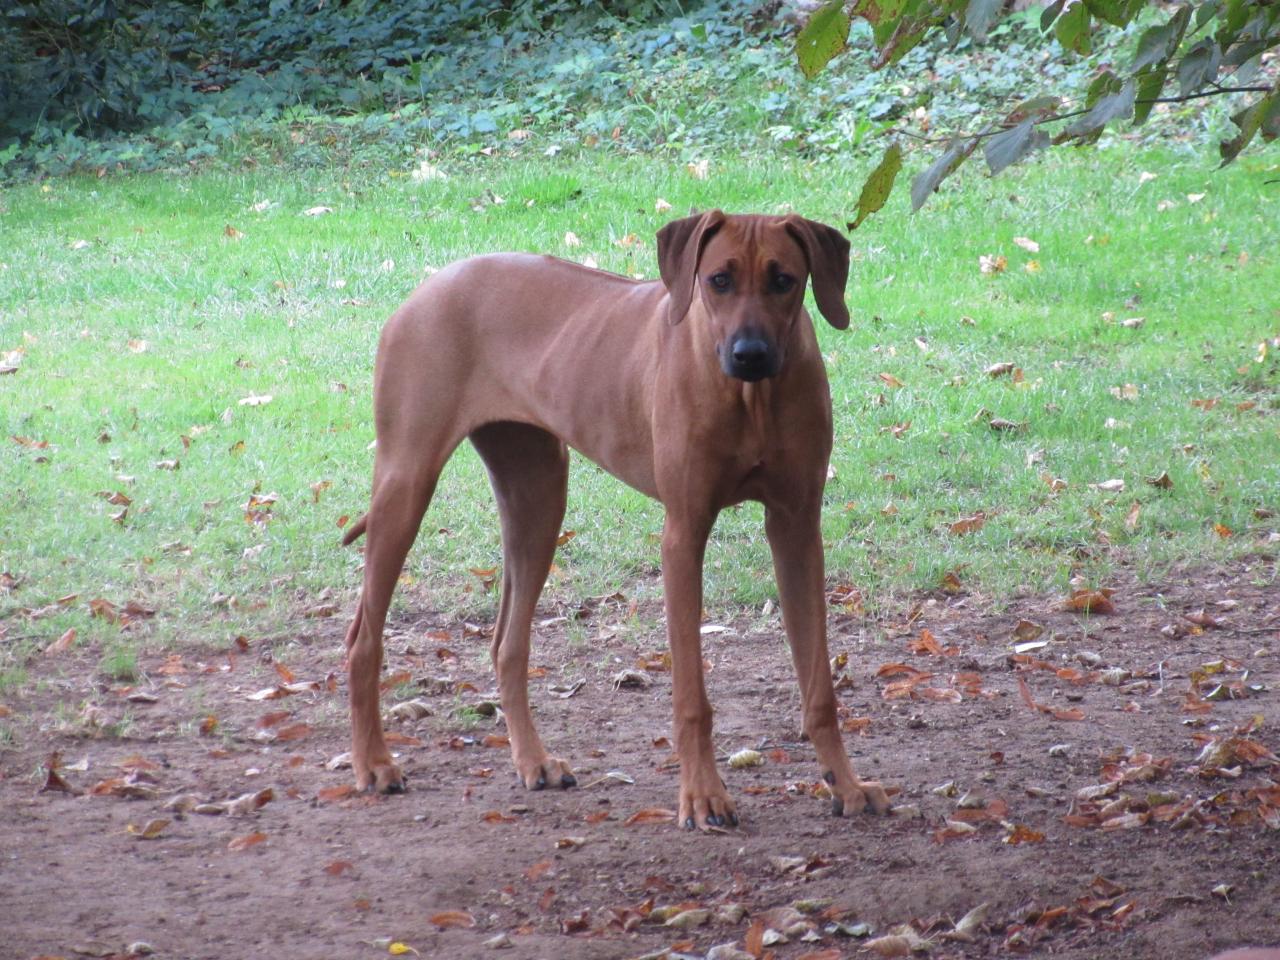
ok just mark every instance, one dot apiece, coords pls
pixel 529 470
pixel 400 497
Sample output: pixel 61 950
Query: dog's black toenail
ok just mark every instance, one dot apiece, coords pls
pixel 837 807
pixel 542 782
pixel 829 776
pixel 714 820
pixel 733 819
pixel 567 781
pixel 689 824
pixel 398 787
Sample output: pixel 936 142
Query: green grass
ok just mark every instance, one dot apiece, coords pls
pixel 290 306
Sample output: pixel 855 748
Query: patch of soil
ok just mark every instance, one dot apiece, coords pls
pixel 1146 829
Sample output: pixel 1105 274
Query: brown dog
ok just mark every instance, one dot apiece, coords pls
pixel 703 390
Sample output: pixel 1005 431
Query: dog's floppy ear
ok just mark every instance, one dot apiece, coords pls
pixel 827 251
pixel 680 245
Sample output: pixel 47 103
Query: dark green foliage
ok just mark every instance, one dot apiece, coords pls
pixel 95 67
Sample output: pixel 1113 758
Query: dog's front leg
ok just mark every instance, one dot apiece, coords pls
pixel 703 800
pixel 795 538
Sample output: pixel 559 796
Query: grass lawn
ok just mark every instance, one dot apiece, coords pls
pixel 150 318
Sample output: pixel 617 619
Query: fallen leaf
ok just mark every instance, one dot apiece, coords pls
pixel 968 524
pixel 1000 424
pixel 62 644
pixel 1090 601
pixel 148 831
pixel 333 794
pixel 54 781
pixel 538 870
pixel 1022 834
pixel 451 919
pixel 247 841
pixel 746 758
pixel 890 379
pixel 1000 369
pixel 1026 243
pixel 1131 519
pixel 991 265
pixel 651 815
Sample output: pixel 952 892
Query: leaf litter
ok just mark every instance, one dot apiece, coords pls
pixel 943 677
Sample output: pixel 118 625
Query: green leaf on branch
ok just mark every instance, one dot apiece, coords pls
pixel 824 36
pixel 1158 43
pixel 1150 84
pixel 1108 107
pixel 1250 121
pixel 880 13
pixel 1072 29
pixel 925 183
pixel 1012 145
pixel 1118 13
pixel 1199 66
pixel 878 186
pixel 1049 14
pixel 979 15
pixel 1037 108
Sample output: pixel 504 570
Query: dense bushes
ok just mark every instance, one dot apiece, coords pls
pixel 96 84
pixel 96 66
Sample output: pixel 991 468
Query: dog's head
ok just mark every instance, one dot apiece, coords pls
pixel 749 273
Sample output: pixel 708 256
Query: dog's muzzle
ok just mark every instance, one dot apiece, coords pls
pixel 750 358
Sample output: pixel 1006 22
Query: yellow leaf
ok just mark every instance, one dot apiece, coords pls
pixel 149 831
pixel 398 949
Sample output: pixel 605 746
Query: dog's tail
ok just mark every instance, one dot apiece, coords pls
pixel 356 531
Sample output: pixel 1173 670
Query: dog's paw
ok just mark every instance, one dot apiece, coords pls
pixel 861 795
pixel 381 778
pixel 548 772
pixel 706 806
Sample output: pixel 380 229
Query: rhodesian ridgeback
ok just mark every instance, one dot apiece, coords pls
pixel 701 390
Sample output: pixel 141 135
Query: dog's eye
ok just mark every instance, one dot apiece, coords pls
pixel 783 282
pixel 720 282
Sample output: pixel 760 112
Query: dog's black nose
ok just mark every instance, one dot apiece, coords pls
pixel 751 358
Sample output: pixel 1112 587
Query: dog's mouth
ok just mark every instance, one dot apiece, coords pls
pixel 750 358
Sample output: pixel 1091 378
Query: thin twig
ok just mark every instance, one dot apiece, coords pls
pixel 1217 91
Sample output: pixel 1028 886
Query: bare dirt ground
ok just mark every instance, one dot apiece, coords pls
pixel 1147 828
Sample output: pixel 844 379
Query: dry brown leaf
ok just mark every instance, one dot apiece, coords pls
pixel 1000 424
pixel 968 524
pixel 247 841
pixel 148 831
pixel 451 919
pixel 1090 601
pixel 538 869
pixel 651 815
pixel 889 379
pixel 62 644
pixel 1131 518
pixel 336 793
